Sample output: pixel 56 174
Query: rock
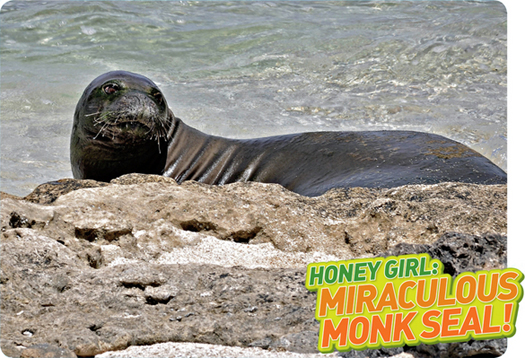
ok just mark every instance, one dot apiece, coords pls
pixel 472 348
pixel 49 192
pixel 374 353
pixel 4 195
pixel 46 351
pixel 492 348
pixel 353 222
pixel 461 252
pixel 141 261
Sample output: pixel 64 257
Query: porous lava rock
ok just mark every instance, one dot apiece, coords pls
pixel 92 267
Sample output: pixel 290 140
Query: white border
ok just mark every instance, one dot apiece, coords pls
pixel 516 163
pixel 516 171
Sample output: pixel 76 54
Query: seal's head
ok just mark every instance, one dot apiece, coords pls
pixel 121 125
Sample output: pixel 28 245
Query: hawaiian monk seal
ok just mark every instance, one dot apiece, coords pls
pixel 122 125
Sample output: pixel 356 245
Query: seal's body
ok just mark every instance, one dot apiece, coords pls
pixel 122 125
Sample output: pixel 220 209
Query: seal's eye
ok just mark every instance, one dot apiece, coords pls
pixel 111 88
pixel 158 96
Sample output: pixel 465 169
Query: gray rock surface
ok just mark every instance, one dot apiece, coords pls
pixel 92 267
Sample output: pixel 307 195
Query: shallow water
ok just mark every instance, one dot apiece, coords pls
pixel 249 69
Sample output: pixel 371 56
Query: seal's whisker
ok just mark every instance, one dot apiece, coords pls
pixel 100 131
pixel 161 128
pixel 103 117
pixel 92 114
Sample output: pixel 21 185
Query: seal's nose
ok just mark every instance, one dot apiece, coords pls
pixel 136 106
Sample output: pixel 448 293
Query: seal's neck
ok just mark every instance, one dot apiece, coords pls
pixel 194 155
pixel 91 159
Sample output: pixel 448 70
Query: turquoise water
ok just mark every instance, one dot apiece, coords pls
pixel 253 69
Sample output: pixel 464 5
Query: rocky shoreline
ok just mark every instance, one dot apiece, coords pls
pixel 90 267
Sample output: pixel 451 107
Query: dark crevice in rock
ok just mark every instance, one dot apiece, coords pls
pixel 141 286
pixel 348 238
pixel 197 226
pixel 93 234
pixel 132 285
pixel 449 269
pixel 154 301
pixel 95 327
pixel 244 236
pixel 94 257
pixel 86 234
pixel 19 221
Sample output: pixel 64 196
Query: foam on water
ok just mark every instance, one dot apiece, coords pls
pixel 253 69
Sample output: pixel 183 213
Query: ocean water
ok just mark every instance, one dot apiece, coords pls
pixel 250 69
